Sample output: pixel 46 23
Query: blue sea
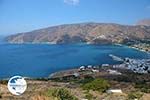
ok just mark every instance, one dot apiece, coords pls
pixel 40 60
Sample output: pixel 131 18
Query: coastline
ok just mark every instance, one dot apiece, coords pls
pixel 143 50
pixel 76 44
pixel 139 49
pixel 52 43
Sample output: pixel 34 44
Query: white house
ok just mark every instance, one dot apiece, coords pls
pixel 82 68
pixel 105 65
pixel 114 72
pixel 114 91
pixel 95 71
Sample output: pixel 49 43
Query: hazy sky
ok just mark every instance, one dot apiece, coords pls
pixel 26 15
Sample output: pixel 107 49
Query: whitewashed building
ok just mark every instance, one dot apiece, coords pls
pixel 114 91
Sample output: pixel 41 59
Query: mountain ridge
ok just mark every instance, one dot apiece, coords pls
pixel 89 32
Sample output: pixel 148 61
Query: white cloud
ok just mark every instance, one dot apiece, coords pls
pixel 72 2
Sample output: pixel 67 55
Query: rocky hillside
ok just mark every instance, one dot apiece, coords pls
pixel 144 22
pixel 83 32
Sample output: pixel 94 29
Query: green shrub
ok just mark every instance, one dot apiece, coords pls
pixel 42 79
pixel 4 82
pixel 143 87
pixel 86 79
pixel 89 96
pixel 134 95
pixel 61 94
pixel 100 85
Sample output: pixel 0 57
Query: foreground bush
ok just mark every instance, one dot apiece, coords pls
pixel 4 82
pixel 100 85
pixel 86 79
pixel 143 87
pixel 61 94
pixel 134 95
pixel 89 96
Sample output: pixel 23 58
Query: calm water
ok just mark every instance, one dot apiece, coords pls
pixel 39 60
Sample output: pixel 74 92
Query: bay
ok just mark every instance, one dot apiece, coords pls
pixel 40 60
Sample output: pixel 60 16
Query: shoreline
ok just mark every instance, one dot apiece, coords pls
pixel 50 43
pixel 143 50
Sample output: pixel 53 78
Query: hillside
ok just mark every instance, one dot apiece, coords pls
pixel 86 86
pixel 83 32
pixel 145 22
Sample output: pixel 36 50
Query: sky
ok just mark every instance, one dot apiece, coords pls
pixel 26 15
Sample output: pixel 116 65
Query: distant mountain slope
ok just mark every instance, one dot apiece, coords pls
pixel 144 22
pixel 83 32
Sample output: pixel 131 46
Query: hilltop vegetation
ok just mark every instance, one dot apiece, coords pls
pixel 100 85
pixel 60 94
pixel 92 87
